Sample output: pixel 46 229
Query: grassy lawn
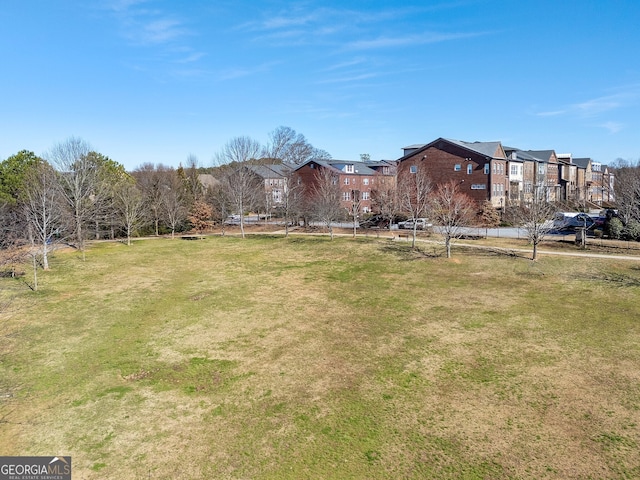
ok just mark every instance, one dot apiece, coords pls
pixel 277 358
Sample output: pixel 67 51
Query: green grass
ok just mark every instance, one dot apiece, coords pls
pixel 309 358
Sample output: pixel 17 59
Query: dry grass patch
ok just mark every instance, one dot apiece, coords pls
pixel 310 358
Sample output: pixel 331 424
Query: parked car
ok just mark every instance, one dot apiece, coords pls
pixel 232 220
pixel 374 221
pixel 421 224
pixel 572 220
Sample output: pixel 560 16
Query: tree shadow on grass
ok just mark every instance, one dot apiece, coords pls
pixel 614 278
pixel 405 252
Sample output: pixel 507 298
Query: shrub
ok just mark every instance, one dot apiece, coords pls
pixel 632 230
pixel 615 228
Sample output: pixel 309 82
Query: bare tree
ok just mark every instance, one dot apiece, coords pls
pixel 291 147
pixel 218 198
pixel 42 206
pixel 130 206
pixel 153 183
pixel 414 188
pixel 452 210
pixel 627 190
pixel 174 207
pixel 292 200
pixel 536 216
pixel 355 209
pixel 78 180
pixel 386 201
pixel 104 211
pixel 243 187
pixel 326 198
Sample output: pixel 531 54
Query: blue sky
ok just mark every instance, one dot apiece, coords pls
pixel 156 80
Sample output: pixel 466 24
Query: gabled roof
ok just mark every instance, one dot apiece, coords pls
pixel 281 169
pixel 542 155
pixel 380 163
pixel 360 168
pixel 415 146
pixel 271 170
pixel 322 163
pixel 582 162
pixel 516 154
pixel 492 150
pixel 488 149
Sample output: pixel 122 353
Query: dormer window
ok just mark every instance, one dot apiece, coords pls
pixel 349 168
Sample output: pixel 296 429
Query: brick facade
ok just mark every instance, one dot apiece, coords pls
pixel 480 175
pixel 357 180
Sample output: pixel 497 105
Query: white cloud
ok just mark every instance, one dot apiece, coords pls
pixel 192 57
pixel 423 39
pixel 553 113
pixel 622 97
pixel 351 78
pixel 161 31
pixel 613 127
pixel 146 26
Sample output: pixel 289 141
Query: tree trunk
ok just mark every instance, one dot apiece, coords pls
pixel 448 245
pixel 45 256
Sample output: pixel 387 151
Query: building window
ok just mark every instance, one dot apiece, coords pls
pixel 349 168
pixel 346 196
pixel 478 186
pixel 346 180
pixel 457 167
pixel 469 169
pixel 486 169
pixel 413 169
pixel 365 195
pixel 514 169
pixel 365 181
